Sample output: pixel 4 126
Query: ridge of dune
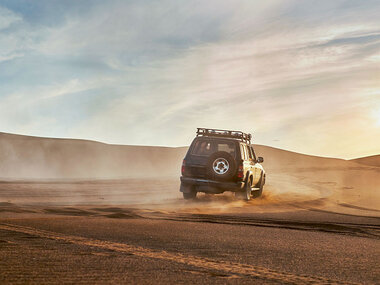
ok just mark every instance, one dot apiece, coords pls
pixel 372 160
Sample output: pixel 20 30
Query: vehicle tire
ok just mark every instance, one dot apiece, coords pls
pixel 189 195
pixel 246 193
pixel 257 194
pixel 221 166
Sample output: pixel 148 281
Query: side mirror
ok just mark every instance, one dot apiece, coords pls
pixel 260 159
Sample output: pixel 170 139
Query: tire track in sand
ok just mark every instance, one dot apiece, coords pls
pixel 203 263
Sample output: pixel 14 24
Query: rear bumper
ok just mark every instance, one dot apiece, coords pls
pixel 210 186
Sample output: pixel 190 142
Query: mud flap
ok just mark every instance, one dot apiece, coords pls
pixel 185 188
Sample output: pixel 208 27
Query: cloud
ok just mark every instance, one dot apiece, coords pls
pixel 8 43
pixel 7 18
pixel 147 72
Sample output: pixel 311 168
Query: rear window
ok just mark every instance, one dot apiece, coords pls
pixel 228 147
pixel 202 148
pixel 206 148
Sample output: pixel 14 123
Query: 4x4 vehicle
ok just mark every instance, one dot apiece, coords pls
pixel 219 161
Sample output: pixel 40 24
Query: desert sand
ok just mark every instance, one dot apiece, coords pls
pixel 75 211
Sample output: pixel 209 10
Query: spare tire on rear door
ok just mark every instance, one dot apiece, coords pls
pixel 221 166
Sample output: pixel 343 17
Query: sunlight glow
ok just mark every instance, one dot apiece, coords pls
pixel 377 117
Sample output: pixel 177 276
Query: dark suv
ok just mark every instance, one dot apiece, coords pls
pixel 222 160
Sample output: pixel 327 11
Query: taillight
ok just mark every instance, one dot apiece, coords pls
pixel 183 168
pixel 240 173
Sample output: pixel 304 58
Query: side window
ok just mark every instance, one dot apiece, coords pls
pixel 253 153
pixel 244 151
pixel 249 154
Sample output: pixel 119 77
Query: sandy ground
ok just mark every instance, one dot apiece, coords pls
pixel 316 226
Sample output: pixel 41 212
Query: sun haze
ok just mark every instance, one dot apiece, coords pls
pixel 300 75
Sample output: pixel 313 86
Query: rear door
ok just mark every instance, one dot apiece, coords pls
pixel 198 157
pixel 200 151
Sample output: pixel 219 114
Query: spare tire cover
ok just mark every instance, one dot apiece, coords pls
pixel 221 166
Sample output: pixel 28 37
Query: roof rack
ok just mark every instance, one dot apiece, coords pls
pixel 225 134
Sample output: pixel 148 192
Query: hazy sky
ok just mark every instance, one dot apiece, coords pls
pixel 300 75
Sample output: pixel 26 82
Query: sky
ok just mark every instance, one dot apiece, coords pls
pixel 299 75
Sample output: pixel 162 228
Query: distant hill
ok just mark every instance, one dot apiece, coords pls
pixel 35 157
pixel 26 157
pixel 373 160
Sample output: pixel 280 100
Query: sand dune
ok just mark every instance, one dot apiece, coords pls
pixel 25 157
pixel 275 158
pixel 291 176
